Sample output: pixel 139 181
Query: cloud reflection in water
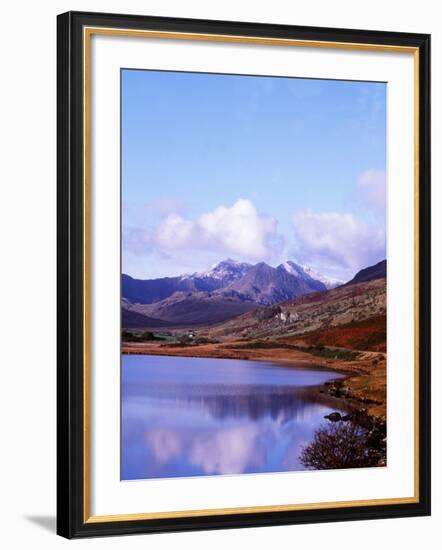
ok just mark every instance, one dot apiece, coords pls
pixel 180 417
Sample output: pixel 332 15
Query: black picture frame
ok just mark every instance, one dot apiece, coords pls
pixel 71 520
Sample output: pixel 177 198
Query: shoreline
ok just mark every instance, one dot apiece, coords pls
pixel 362 388
pixel 301 363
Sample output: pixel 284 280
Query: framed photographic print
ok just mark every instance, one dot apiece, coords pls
pixel 243 274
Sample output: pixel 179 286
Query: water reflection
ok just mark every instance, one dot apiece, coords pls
pixel 186 417
pixel 255 404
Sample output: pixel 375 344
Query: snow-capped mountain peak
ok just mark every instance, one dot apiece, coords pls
pixel 227 269
pixel 329 282
pixel 293 268
pixel 305 272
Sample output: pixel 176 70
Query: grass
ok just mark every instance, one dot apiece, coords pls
pixel 144 336
pixel 319 351
pixel 368 334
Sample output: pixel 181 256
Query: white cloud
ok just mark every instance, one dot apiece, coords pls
pixel 164 444
pixel 174 232
pixel 238 230
pixel 338 240
pixel 229 451
pixel 371 187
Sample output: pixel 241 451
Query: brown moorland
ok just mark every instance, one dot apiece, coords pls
pixel 367 335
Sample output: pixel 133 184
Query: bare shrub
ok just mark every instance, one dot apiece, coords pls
pixel 339 445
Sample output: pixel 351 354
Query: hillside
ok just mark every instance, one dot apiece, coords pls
pixel 377 271
pixel 319 311
pixel 133 319
pixel 194 308
pixel 367 335
pixel 150 291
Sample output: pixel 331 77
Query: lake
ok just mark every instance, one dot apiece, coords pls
pixel 184 416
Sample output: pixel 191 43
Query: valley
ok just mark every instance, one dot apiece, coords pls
pixel 341 329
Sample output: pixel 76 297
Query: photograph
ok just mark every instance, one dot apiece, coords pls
pixel 253 274
pixel 225 214
pixel 243 274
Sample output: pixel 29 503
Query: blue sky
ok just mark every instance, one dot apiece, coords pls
pixel 251 168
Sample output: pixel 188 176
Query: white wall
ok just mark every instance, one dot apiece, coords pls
pixel 27 299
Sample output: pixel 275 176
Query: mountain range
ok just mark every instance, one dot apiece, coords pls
pixel 227 289
pixel 288 279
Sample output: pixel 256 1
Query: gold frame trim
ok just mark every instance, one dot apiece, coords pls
pixel 87 33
